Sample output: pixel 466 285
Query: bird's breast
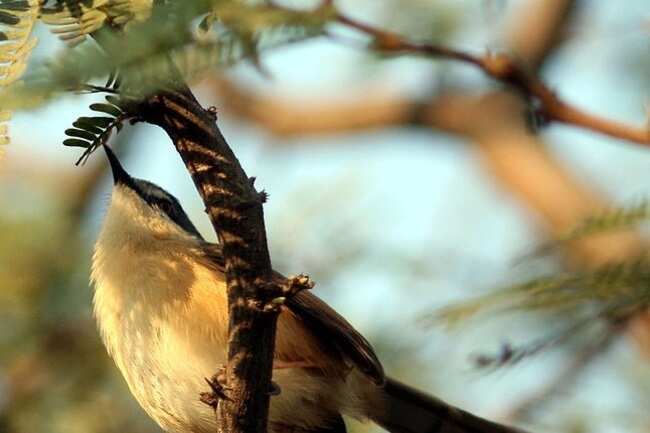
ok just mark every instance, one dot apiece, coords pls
pixel 163 319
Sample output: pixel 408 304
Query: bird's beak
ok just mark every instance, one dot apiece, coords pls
pixel 119 174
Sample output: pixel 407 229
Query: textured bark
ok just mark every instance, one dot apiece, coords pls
pixel 235 210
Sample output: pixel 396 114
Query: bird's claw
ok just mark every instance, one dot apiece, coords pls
pixel 218 389
pixel 296 284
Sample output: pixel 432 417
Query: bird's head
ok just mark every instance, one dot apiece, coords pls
pixel 139 206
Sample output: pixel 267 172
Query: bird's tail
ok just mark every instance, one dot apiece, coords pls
pixel 406 410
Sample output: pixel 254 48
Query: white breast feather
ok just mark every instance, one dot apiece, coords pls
pixel 162 317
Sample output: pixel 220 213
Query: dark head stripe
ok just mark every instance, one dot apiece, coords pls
pixel 157 197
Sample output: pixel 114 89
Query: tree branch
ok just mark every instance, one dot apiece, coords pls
pixel 235 210
pixel 505 69
pixel 372 108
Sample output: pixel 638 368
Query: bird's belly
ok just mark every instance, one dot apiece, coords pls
pixel 165 364
pixel 166 373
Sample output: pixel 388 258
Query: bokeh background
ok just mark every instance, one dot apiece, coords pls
pixel 393 216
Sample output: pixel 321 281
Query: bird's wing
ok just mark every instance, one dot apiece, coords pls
pixel 328 325
pixel 333 334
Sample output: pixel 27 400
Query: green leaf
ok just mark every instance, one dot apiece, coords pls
pixel 141 54
pixel 107 108
pixel 75 142
pixel 83 123
pixel 8 19
pixel 98 122
pixel 72 132
pixel 20 5
pixel 117 101
pixel 103 122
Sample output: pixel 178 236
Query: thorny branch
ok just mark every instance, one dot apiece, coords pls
pixel 254 292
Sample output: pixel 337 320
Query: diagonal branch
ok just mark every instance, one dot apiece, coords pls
pixel 235 210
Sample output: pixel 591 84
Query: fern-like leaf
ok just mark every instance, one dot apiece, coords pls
pixel 92 132
pixel 17 18
pixel 74 20
pixel 142 52
pixel 579 302
pixel 607 221
pixel 617 288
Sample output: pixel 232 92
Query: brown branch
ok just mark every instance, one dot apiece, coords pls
pixel 235 210
pixel 385 110
pixel 373 108
pixel 537 28
pixel 505 69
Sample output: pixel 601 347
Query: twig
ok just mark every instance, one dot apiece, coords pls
pixel 503 68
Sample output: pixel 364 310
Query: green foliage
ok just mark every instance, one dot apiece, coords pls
pixel 616 285
pixel 73 21
pixel 582 298
pixel 229 31
pixel 608 220
pixel 92 132
pixel 17 18
pixel 139 39
pixel 612 290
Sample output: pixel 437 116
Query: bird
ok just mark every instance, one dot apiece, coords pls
pixel 160 303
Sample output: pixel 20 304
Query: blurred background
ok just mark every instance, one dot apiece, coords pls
pixel 400 186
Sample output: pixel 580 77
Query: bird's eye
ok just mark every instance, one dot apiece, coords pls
pixel 166 207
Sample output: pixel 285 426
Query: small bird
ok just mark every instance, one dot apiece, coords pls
pixel 161 307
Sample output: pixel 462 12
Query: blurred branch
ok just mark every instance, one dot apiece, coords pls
pixel 291 118
pixel 515 156
pixel 522 164
pixel 494 122
pixel 505 69
pixel 386 110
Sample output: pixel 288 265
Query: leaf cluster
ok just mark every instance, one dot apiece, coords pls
pixel 94 131
pixel 606 221
pixel 17 18
pixel 197 34
pixel 610 293
pixel 148 44
pixel 73 21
